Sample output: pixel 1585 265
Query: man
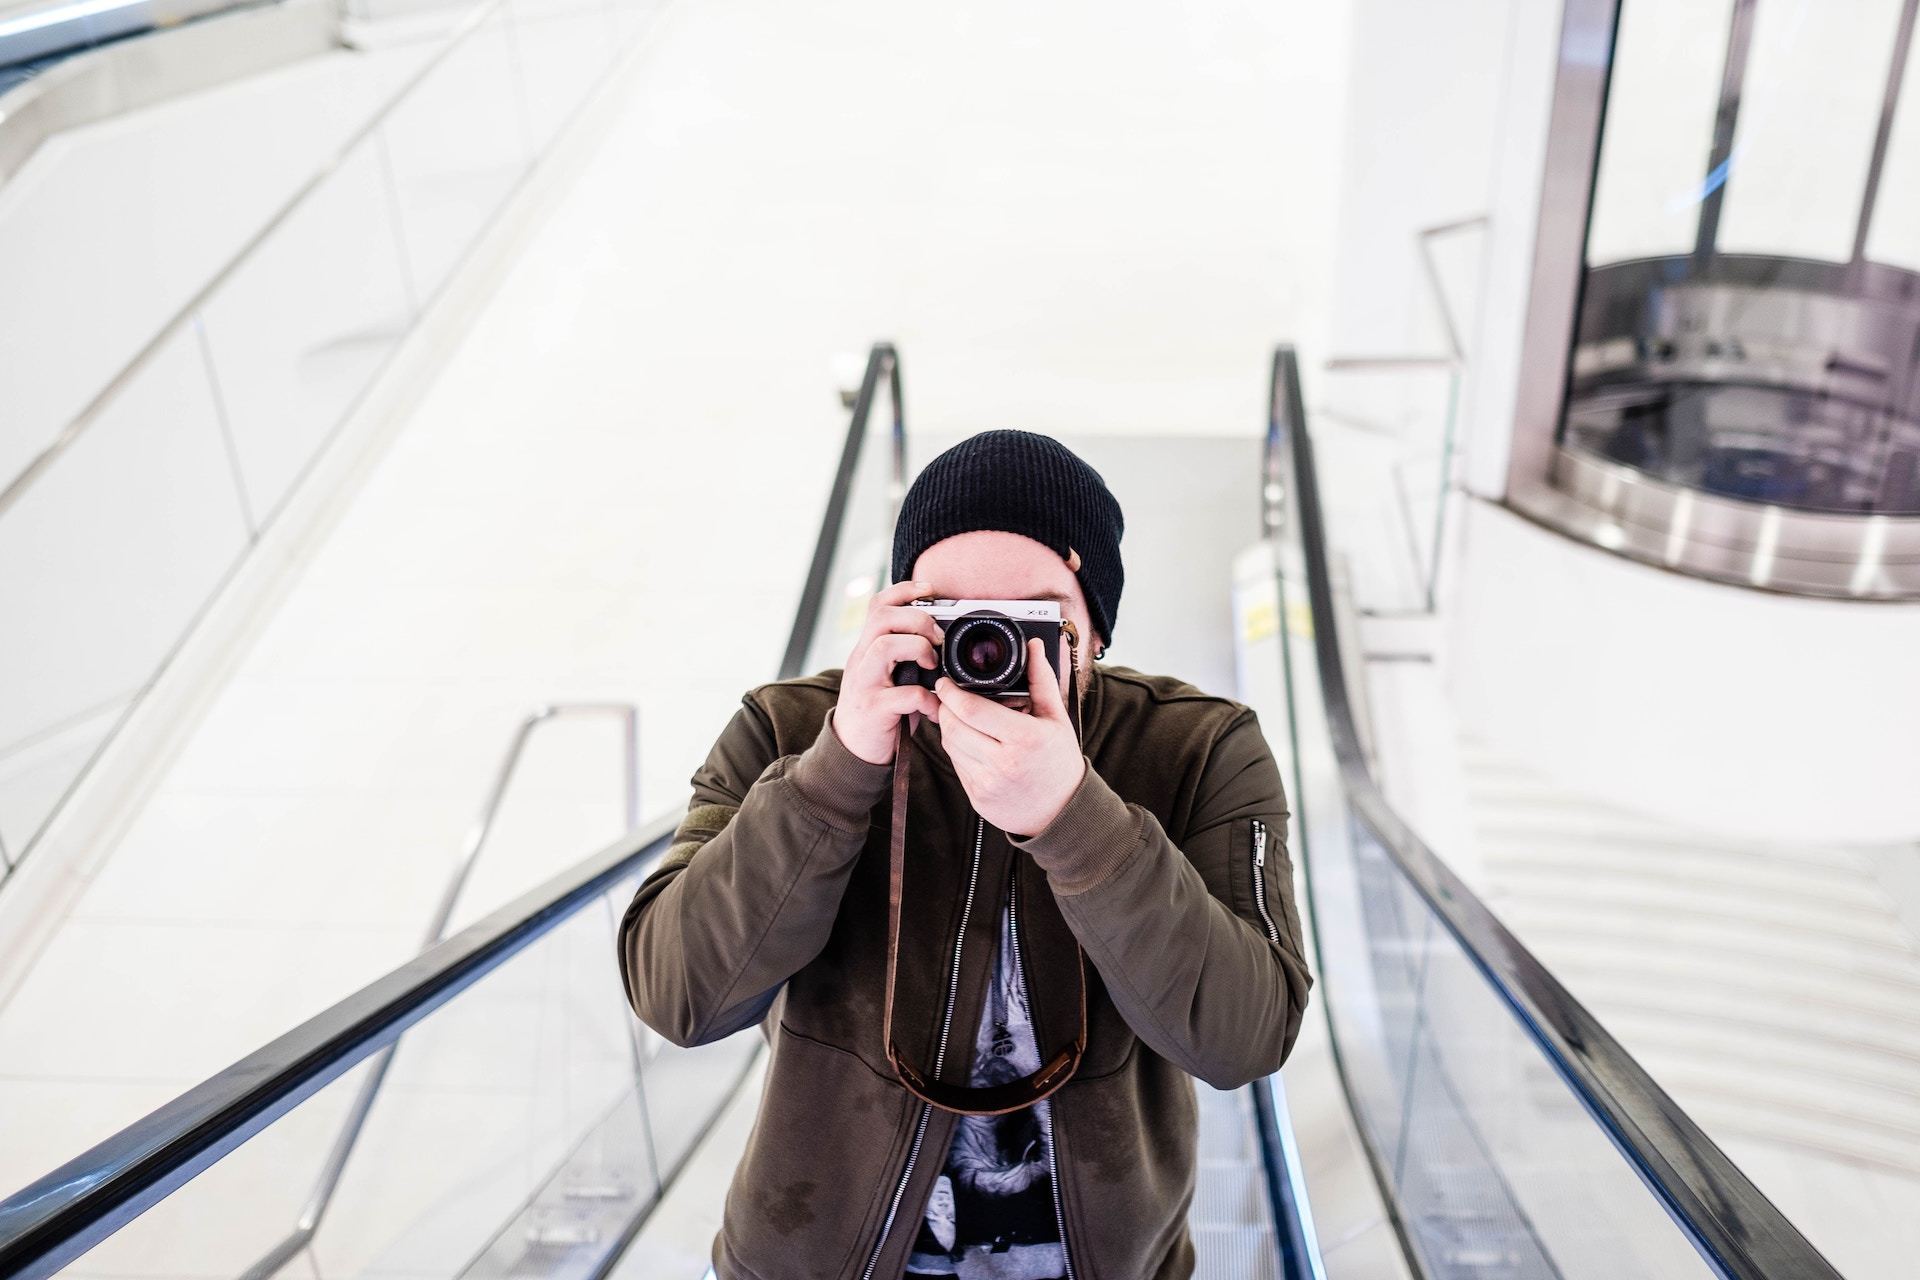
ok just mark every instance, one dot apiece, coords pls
pixel 1125 886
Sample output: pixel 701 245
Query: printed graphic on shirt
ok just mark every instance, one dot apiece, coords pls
pixel 991 1213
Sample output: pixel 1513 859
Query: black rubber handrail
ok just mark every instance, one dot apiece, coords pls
pixel 1736 1228
pixel 57 1218
pixel 1291 1245
pixel 54 1220
pixel 882 362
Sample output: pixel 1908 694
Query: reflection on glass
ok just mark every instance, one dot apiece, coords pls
pixel 1750 316
pixel 288 374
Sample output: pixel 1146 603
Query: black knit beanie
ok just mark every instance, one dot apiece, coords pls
pixel 1019 482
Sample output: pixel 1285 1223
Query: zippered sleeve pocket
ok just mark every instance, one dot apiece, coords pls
pixel 1261 899
pixel 1262 879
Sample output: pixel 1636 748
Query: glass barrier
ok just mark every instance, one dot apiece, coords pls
pixel 1398 469
pixel 1394 471
pixel 520 1128
pixel 196 447
pixel 1495 1165
pixel 1749 323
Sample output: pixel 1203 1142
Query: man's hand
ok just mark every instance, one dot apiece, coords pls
pixel 871 704
pixel 1018 768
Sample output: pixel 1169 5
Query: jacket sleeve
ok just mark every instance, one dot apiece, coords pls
pixel 1214 982
pixel 748 890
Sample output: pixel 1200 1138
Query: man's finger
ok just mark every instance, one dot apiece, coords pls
pixel 892 648
pixel 988 716
pixel 1043 683
pixel 964 742
pixel 898 620
pixel 904 698
pixel 902 592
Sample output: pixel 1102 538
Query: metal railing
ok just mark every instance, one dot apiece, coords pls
pixel 883 363
pixel 308 1223
pixel 1452 361
pixel 1716 1206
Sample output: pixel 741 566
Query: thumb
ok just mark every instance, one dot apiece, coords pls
pixel 1043 683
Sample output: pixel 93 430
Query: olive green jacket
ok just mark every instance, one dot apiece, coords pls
pixel 1168 864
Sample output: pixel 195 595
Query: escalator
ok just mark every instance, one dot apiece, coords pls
pixel 492 1108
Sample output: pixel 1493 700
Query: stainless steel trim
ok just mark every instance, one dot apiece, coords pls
pixel 1862 312
pixel 1560 234
pixel 1883 131
pixel 1633 514
pixel 330 1172
pixel 1843 331
pixel 1733 74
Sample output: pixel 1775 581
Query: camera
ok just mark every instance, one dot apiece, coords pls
pixel 985 649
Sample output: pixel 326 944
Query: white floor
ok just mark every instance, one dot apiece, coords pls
pixel 1082 217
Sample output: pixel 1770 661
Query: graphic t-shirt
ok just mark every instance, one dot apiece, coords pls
pixel 991 1213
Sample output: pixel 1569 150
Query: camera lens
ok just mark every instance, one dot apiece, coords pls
pixel 983 652
pixel 986 651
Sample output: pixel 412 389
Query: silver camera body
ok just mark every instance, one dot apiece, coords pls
pixel 985 648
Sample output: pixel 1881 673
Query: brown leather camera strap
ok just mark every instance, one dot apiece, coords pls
pixel 988 1100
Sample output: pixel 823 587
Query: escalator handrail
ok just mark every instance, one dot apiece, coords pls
pixel 58 1217
pixel 882 362
pixel 1736 1228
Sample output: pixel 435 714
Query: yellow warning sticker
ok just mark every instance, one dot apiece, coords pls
pixel 1261 621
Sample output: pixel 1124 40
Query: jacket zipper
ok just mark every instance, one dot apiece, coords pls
pixel 1260 878
pixel 1043 1110
pixel 939 1057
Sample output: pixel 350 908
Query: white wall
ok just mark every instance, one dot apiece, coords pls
pixel 1772 717
pixel 1446 120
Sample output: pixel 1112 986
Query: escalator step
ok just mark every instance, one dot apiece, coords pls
pixel 1235 1253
